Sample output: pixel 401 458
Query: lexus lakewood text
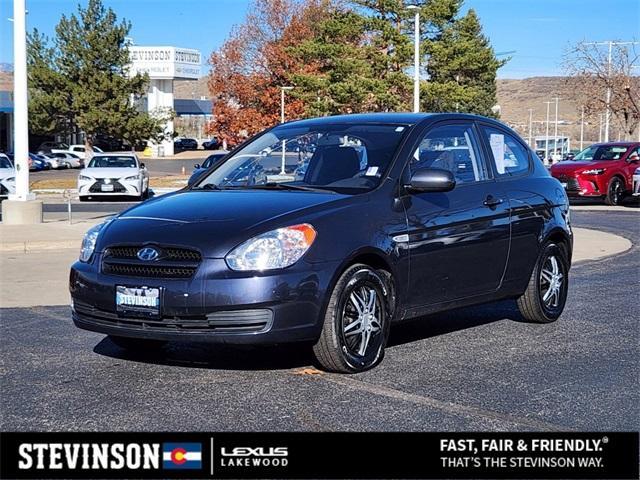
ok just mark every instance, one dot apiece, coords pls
pixel 328 231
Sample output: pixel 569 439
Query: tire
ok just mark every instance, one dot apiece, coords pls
pixel 361 299
pixel 536 304
pixel 129 343
pixel 615 192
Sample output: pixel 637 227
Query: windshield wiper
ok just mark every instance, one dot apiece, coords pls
pixel 287 186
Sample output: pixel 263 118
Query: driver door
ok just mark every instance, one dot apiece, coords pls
pixel 458 240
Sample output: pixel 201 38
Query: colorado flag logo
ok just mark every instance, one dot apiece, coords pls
pixel 182 456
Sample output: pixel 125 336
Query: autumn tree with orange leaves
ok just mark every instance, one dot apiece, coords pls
pixel 251 66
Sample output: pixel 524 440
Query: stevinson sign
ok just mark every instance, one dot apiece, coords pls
pixel 165 62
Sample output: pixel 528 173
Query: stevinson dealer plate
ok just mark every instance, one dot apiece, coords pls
pixel 143 300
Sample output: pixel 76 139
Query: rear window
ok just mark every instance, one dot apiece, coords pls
pixel 509 155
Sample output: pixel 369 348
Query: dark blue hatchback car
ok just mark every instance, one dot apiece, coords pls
pixel 395 216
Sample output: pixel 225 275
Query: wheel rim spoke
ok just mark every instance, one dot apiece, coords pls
pixel 552 278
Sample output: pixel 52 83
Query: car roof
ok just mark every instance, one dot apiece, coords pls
pixel 116 154
pixel 407 118
pixel 616 144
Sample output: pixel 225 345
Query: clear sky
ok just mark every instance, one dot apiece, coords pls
pixel 538 30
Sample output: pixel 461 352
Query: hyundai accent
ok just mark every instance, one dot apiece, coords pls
pixel 388 217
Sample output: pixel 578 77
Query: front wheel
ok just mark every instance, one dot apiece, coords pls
pixel 615 192
pixel 356 323
pixel 546 294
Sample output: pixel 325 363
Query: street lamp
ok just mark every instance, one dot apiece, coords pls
pixel 546 147
pixel 416 57
pixel 282 90
pixel 284 142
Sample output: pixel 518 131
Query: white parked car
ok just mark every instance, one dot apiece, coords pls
pixel 7 176
pixel 636 182
pixel 78 150
pixel 109 174
pixel 67 160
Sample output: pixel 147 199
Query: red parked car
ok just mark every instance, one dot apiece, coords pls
pixel 603 170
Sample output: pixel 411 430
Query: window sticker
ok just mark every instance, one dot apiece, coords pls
pixel 371 172
pixel 497 147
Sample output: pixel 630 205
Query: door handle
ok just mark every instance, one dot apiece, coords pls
pixel 492 201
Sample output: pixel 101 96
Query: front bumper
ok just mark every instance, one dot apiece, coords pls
pixel 582 185
pixel 215 305
pixel 99 187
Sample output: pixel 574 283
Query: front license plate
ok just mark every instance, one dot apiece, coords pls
pixel 564 184
pixel 107 188
pixel 143 300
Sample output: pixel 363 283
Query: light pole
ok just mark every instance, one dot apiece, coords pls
pixel 282 90
pixel 581 127
pixel 416 57
pixel 555 130
pixel 284 142
pixel 21 207
pixel 530 126
pixel 546 145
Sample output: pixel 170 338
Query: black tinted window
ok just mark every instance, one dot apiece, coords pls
pixel 509 155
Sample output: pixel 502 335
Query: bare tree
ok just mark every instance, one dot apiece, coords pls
pixel 590 75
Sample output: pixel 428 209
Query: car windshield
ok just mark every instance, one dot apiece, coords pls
pixel 346 158
pixel 112 161
pixel 601 152
pixel 5 163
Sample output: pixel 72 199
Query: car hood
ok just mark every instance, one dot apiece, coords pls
pixel 109 172
pixel 7 173
pixel 214 222
pixel 571 166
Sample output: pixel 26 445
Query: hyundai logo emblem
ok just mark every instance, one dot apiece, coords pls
pixel 147 254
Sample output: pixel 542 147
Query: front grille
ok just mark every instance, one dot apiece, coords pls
pixel 572 182
pixel 130 270
pixel 230 321
pixel 117 186
pixel 172 262
pixel 166 253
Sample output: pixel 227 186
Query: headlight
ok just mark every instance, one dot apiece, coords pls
pixel 84 177
pixel 89 242
pixel 593 171
pixel 133 177
pixel 278 248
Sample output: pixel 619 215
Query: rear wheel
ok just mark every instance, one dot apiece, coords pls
pixel 546 294
pixel 615 191
pixel 129 343
pixel 356 323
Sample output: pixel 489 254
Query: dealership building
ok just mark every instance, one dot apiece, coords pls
pixel 163 65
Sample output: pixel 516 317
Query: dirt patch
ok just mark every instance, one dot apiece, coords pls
pixel 171 181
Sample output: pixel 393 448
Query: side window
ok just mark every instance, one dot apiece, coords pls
pixel 510 157
pixel 453 148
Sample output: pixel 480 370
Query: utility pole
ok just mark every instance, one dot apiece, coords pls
pixel 282 90
pixel 600 132
pixel 21 207
pixel 416 57
pixel 546 145
pixel 581 127
pixel 530 126
pixel 611 44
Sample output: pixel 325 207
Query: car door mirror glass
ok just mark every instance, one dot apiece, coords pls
pixel 431 180
pixel 143 166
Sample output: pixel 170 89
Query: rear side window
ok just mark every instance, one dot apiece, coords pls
pixel 509 156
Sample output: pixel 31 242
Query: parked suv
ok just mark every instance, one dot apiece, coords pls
pixel 396 216
pixel 603 170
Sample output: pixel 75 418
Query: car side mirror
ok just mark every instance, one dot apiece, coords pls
pixel 196 166
pixel 431 180
pixel 143 166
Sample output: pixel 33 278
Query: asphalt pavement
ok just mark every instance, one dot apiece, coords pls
pixel 479 368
